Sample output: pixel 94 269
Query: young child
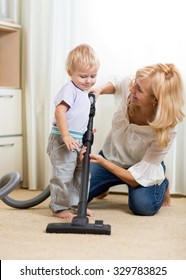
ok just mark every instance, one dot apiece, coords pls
pixel 72 108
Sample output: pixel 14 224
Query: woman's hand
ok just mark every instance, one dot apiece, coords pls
pixel 109 88
pixel 96 158
pixel 96 91
pixel 93 157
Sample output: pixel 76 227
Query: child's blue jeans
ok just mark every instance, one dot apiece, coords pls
pixel 145 201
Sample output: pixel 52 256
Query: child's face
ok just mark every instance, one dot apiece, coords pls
pixel 84 78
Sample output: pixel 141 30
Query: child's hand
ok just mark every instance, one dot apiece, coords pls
pixel 71 143
pixel 83 151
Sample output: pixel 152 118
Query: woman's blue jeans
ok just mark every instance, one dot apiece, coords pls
pixel 145 201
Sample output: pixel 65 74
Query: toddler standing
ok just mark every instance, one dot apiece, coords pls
pixel 72 108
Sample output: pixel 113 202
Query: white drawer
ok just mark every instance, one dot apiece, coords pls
pixel 10 112
pixel 11 155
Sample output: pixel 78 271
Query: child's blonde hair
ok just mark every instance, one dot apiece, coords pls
pixel 84 55
pixel 167 86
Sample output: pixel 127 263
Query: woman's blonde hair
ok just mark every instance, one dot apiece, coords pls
pixel 84 55
pixel 166 85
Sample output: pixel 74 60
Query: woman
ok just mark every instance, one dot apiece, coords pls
pixel 143 130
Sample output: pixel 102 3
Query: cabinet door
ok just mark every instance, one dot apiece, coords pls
pixel 11 157
pixel 10 112
pixel 9 55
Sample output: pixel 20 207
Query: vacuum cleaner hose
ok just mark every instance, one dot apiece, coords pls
pixel 8 182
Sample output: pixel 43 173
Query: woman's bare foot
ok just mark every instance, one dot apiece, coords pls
pixel 101 196
pixel 65 214
pixel 167 198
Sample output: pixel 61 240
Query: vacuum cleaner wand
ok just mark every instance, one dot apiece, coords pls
pixel 88 139
pixel 80 223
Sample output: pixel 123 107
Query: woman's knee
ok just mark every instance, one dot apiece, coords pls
pixel 144 209
pixel 141 203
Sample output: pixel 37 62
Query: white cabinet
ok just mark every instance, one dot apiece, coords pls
pixel 10 112
pixel 9 55
pixel 11 139
pixel 11 154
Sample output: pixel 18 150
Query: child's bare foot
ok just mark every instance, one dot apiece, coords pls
pixel 90 213
pixel 167 199
pixel 65 214
pixel 101 196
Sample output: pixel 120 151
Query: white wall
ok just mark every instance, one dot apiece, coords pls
pixel 128 34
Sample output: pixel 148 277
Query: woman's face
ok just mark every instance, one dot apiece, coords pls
pixel 141 94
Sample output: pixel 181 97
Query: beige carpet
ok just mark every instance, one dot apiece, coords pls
pixel 23 236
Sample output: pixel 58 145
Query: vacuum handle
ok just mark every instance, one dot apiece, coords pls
pixel 88 139
pixel 92 99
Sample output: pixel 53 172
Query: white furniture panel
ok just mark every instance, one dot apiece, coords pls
pixel 10 112
pixel 10 55
pixel 10 155
pixel 11 147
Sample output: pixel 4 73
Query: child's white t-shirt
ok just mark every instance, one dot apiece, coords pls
pixel 79 106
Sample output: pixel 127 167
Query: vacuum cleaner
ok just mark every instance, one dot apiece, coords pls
pixel 80 223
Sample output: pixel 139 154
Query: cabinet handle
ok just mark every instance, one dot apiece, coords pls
pixel 6 96
pixel 7 145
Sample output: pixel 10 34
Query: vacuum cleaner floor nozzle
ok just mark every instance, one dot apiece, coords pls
pixel 97 228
